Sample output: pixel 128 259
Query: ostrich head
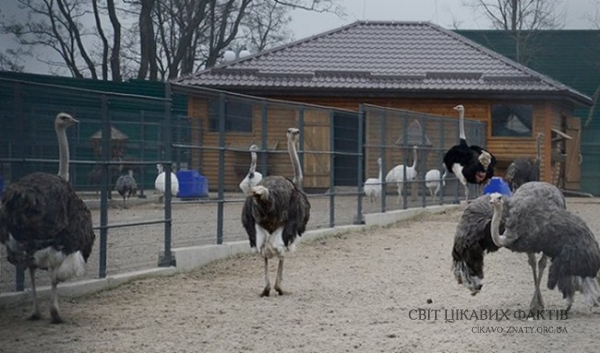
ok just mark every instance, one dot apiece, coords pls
pixel 379 161
pixel 496 200
pixel 292 132
pixel 459 108
pixel 64 120
pixel 254 148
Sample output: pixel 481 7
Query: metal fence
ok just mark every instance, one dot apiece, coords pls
pixel 338 150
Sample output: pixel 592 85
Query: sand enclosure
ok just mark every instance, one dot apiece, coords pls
pixel 355 292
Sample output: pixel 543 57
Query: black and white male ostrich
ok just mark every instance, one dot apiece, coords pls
pixel 523 170
pixel 253 177
pixel 46 225
pixel 126 186
pixel 534 220
pixel 471 164
pixel 275 214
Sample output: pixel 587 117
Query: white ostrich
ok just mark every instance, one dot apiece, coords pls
pixel 159 183
pixel 534 220
pixel 397 175
pixel 44 224
pixel 253 177
pixel 275 214
pixel 372 186
pixel 126 186
pixel 434 180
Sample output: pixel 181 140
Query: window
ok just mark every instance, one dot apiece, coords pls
pixel 512 120
pixel 238 116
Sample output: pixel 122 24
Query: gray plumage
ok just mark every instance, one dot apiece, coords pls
pixel 275 214
pixel 126 186
pixel 44 224
pixel 524 170
pixel 534 220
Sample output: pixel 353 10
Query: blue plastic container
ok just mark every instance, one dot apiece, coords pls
pixel 497 184
pixel 192 184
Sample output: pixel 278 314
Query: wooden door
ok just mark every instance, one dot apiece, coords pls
pixel 573 159
pixel 316 138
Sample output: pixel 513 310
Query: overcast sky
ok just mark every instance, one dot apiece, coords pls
pixel 446 13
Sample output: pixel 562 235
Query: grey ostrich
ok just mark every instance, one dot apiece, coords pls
pixel 523 170
pixel 275 214
pixel 533 221
pixel 126 186
pixel 44 224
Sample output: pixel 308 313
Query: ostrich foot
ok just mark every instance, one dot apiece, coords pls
pixel 537 303
pixel 279 290
pixel 34 316
pixel 266 292
pixel 56 319
pixel 569 304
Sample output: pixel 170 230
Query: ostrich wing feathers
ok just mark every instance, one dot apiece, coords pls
pixel 42 210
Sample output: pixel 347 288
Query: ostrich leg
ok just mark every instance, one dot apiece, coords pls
pixel 54 313
pixel 35 315
pixel 537 303
pixel 279 277
pixel 267 291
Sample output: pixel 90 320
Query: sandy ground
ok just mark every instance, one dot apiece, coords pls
pixel 355 292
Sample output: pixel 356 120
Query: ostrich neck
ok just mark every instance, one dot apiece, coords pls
pixel 415 155
pixel 499 239
pixel 295 162
pixel 253 164
pixel 380 172
pixel 461 124
pixel 63 154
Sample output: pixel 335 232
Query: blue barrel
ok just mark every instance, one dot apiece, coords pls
pixel 192 184
pixel 497 184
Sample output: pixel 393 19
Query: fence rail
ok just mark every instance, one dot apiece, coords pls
pixel 211 133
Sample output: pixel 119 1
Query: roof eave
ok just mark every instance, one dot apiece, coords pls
pixel 566 95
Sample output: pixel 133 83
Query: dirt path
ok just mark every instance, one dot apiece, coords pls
pixel 348 293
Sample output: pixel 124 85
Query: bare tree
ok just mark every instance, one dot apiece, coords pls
pixel 522 18
pixel 162 39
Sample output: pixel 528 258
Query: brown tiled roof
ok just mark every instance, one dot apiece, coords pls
pixel 410 57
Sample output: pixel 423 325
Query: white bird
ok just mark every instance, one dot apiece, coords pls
pixel 434 180
pixel 159 183
pixel 372 186
pixel 397 176
pixel 253 177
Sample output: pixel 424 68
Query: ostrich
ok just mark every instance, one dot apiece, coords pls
pixel 558 234
pixel 275 214
pixel 398 176
pixel 471 164
pixel 126 186
pixel 159 183
pixel 533 221
pixel 434 180
pixel 372 186
pixel 253 177
pixel 46 225
pixel 523 170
